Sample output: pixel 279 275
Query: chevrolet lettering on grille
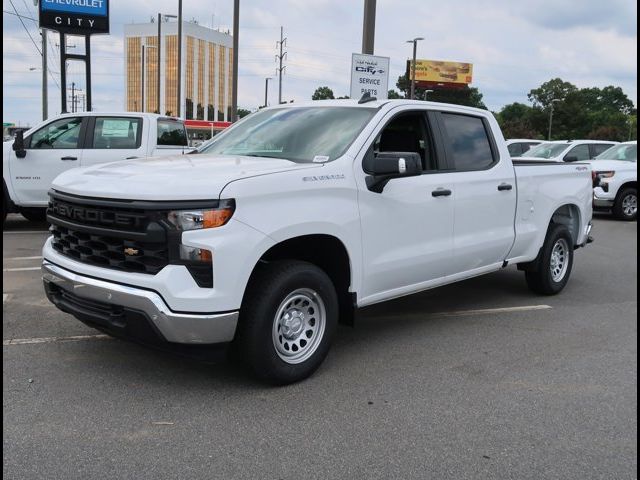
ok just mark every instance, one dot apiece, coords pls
pixel 90 215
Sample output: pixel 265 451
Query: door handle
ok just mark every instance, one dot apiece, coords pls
pixel 130 158
pixel 441 192
pixel 504 186
pixel 69 158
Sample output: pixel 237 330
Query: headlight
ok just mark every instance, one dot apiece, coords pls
pixel 197 219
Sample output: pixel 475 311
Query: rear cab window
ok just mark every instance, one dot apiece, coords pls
pixel 467 142
pixel 172 133
pixel 117 133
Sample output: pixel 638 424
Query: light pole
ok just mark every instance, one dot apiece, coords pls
pixel 413 66
pixel 236 42
pixel 426 92
pixel 368 26
pixel 266 90
pixel 555 100
pixel 161 17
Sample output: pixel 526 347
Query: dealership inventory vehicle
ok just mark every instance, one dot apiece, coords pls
pixel 616 188
pixel 34 158
pixel 519 146
pixel 568 150
pixel 299 214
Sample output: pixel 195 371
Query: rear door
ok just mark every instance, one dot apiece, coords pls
pixel 51 150
pixel 111 138
pixel 484 189
pixel 170 137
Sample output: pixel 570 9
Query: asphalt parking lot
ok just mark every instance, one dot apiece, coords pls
pixel 481 379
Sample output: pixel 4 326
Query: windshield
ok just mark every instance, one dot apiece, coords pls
pixel 624 152
pixel 304 134
pixel 547 150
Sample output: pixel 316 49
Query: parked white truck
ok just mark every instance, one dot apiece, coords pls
pixel 296 216
pixel 34 158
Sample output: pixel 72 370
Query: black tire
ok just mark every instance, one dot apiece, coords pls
pixel 621 209
pixel 34 214
pixel 255 340
pixel 540 278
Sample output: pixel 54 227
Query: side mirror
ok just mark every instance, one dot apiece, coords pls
pixel 388 165
pixel 18 145
pixel 570 158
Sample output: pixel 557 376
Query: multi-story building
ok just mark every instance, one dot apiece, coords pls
pixel 207 69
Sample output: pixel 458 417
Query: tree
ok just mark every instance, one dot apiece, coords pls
pixel 322 93
pixel 394 95
pixel 554 89
pixel 469 96
pixel 243 112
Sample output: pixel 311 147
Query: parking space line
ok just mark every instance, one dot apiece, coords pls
pixel 488 311
pixel 38 257
pixel 20 269
pixel 26 232
pixel 5 297
pixel 73 338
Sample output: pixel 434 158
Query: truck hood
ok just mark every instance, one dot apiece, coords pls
pixel 611 165
pixel 184 177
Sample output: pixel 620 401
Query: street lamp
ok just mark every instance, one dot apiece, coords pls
pixel 413 65
pixel 555 100
pixel 426 92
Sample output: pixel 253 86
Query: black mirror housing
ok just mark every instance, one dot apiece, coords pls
pixel 18 144
pixel 388 165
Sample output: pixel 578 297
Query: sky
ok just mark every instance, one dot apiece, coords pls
pixel 514 45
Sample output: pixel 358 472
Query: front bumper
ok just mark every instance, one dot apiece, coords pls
pixel 131 312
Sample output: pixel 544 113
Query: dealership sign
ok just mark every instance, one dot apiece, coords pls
pixel 80 17
pixel 369 74
pixel 437 72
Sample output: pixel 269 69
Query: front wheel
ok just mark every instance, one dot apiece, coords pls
pixel 287 321
pixel 626 206
pixel 553 266
pixel 34 214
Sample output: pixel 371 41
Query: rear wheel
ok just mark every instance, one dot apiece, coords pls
pixel 287 321
pixel 626 206
pixel 552 268
pixel 34 214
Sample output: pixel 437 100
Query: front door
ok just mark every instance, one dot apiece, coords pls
pixel 51 150
pixel 407 229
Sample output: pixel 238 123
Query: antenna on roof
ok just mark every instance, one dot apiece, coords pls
pixel 366 98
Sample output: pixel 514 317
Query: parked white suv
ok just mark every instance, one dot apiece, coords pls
pixel 299 214
pixel 34 158
pixel 568 150
pixel 616 185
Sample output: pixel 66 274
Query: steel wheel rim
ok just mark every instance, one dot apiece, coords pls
pixel 630 205
pixel 559 260
pixel 299 325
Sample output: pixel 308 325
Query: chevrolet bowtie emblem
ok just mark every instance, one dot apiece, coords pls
pixel 131 251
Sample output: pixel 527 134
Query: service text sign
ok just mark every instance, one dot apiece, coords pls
pixel 369 74
pixel 81 17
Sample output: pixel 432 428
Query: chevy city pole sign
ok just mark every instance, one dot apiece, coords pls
pixel 369 74
pixel 81 17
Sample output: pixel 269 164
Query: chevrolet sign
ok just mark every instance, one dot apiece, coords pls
pixel 82 17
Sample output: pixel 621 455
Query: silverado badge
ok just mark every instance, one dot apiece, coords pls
pixel 131 251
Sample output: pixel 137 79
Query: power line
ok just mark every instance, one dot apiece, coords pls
pixel 19 16
pixel 25 27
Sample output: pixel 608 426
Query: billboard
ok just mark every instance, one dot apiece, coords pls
pixel 438 71
pixel 81 17
pixel 369 74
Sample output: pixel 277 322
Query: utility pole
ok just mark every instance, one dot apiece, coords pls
pixel 369 26
pixel 555 100
pixel 142 82
pixel 159 50
pixel 45 92
pixel 280 68
pixel 413 66
pixel 266 90
pixel 179 57
pixel 236 41
pixel 73 97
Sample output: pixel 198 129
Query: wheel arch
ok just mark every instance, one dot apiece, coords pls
pixel 325 251
pixel 568 215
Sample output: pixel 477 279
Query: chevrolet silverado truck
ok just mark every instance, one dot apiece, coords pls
pixel 289 221
pixel 34 158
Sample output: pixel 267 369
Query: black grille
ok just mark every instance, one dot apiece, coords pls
pixel 110 252
pixel 105 234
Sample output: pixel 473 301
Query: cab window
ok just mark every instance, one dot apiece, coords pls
pixel 172 132
pixel 117 132
pixel 578 153
pixel 63 133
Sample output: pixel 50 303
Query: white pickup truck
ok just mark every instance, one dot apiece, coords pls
pixel 296 216
pixel 36 157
